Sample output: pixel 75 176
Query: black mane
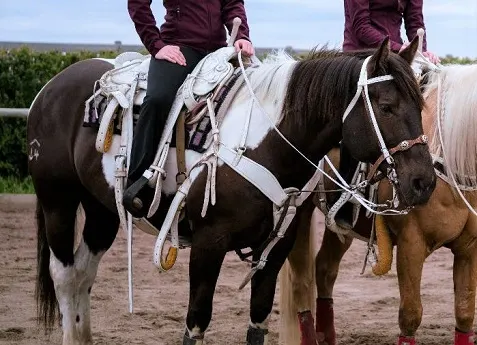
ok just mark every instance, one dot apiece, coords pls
pixel 322 85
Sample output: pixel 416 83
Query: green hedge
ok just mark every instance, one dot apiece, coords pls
pixel 23 73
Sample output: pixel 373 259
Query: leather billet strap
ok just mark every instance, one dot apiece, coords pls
pixel 403 146
pixel 180 149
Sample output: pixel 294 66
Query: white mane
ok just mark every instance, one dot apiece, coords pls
pixel 270 80
pixel 458 114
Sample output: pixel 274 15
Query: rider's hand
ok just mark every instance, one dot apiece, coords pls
pixel 172 54
pixel 245 46
pixel 432 57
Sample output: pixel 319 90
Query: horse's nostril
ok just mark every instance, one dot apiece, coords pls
pixel 419 184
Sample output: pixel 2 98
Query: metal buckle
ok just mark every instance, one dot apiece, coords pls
pixel 180 177
pixel 239 153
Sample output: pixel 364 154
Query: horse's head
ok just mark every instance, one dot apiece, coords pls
pixel 394 114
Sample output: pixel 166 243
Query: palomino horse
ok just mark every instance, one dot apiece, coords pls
pixel 449 117
pixel 305 100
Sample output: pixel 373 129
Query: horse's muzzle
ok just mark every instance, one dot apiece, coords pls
pixel 416 175
pixel 422 188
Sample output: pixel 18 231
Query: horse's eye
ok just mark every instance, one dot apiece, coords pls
pixel 385 108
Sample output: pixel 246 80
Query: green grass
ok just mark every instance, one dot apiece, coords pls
pixel 12 185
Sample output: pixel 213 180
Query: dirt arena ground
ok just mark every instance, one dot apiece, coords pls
pixel 366 307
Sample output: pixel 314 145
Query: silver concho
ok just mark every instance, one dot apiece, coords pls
pixel 404 145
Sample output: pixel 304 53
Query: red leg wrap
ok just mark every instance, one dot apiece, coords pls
pixel 406 340
pixel 307 328
pixel 464 338
pixel 325 322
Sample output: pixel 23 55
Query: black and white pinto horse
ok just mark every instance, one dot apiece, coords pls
pixel 304 102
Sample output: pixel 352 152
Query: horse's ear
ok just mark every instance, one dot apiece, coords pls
pixel 379 58
pixel 409 52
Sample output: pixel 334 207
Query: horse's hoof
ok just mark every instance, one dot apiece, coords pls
pixel 256 336
pixel 191 341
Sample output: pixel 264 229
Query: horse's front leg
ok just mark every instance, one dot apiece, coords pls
pixel 206 258
pixel 411 254
pixel 465 274
pixel 327 266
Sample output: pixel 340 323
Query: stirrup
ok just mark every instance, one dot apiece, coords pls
pixel 331 214
pixel 344 216
pixel 132 203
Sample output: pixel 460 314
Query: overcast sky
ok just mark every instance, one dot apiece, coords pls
pixel 451 24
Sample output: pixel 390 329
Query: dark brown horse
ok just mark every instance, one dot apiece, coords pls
pixel 305 100
pixel 444 221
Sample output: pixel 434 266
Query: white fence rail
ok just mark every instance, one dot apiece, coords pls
pixel 14 112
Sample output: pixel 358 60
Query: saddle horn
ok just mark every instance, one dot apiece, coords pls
pixel 420 33
pixel 233 35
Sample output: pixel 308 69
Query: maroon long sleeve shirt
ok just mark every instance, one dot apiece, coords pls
pixel 194 23
pixel 368 22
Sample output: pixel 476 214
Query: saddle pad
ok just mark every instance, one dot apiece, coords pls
pixel 95 110
pixel 201 136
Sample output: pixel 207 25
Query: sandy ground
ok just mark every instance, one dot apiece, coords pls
pixel 366 307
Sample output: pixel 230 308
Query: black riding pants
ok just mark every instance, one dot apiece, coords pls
pixel 164 79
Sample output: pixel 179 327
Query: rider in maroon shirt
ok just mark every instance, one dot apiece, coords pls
pixel 191 30
pixel 368 22
pixel 195 24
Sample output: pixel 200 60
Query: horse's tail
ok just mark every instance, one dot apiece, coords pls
pixel 47 306
pixel 289 328
pixel 297 284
